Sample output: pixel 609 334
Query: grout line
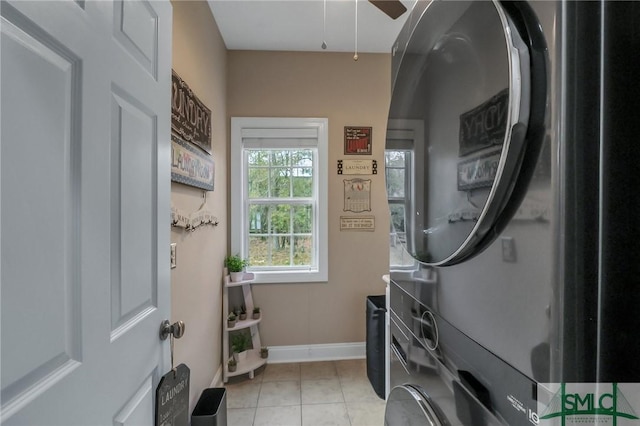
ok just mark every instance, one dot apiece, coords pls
pixel 255 412
pixel 300 381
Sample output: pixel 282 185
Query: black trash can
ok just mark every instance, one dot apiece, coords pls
pixel 211 408
pixel 376 309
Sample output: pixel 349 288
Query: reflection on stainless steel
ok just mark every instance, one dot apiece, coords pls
pixel 530 276
pixel 417 358
pixel 409 405
pixel 455 66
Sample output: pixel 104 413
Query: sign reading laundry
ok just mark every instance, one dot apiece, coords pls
pixel 357 167
pixel 172 398
pixel 485 125
pixel 190 118
pixel 191 166
pixel 478 172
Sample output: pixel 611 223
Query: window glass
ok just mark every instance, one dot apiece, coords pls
pixel 398 181
pixel 279 218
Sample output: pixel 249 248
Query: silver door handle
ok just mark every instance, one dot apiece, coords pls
pixel 397 354
pixel 176 329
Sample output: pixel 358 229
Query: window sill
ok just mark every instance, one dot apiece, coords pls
pixel 301 277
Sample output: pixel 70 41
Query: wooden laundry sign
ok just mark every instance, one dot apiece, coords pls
pixel 485 125
pixel 190 118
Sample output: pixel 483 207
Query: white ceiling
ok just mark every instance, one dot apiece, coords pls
pixel 297 25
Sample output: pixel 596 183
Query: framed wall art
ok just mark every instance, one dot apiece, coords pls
pixel 357 195
pixel 357 140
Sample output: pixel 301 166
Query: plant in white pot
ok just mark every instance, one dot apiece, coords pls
pixel 231 320
pixel 264 352
pixel 233 365
pixel 235 264
pixel 240 344
pixel 256 312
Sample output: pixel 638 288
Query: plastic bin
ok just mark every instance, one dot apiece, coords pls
pixel 211 408
pixel 376 309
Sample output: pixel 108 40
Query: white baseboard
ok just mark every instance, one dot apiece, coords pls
pixel 307 353
pixel 323 352
pixel 217 379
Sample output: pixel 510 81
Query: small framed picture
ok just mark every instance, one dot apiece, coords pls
pixel 357 140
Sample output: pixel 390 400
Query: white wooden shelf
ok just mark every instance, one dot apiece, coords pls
pixel 248 279
pixel 244 324
pixel 253 360
pixel 249 365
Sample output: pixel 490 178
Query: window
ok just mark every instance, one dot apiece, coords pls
pixel 404 145
pixel 279 197
pixel 398 179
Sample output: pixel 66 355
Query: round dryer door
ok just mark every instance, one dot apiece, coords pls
pixel 407 405
pixel 465 87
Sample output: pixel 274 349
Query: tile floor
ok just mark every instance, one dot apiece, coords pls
pixel 333 393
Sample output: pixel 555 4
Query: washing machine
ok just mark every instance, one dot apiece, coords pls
pixel 511 172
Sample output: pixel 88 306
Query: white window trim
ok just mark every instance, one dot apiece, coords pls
pixel 269 127
pixel 411 131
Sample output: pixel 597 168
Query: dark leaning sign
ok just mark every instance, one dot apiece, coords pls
pixel 172 398
pixel 190 118
pixel 485 125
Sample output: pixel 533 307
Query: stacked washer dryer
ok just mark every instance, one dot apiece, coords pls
pixel 522 121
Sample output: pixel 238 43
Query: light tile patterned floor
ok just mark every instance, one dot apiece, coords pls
pixel 332 393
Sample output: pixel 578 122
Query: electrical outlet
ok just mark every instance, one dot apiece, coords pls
pixel 508 250
pixel 173 255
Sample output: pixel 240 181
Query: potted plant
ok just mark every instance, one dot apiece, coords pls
pixel 243 313
pixel 235 264
pixel 240 343
pixel 256 312
pixel 264 352
pixel 233 365
pixel 231 320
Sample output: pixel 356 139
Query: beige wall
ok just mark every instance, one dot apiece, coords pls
pixel 348 93
pixel 199 57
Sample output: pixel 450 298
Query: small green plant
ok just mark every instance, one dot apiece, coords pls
pixel 264 352
pixel 231 320
pixel 235 263
pixel 233 365
pixel 240 342
pixel 256 312
pixel 243 313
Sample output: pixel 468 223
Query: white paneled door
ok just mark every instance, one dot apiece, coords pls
pixel 84 210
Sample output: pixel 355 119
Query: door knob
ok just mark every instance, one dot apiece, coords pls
pixel 176 329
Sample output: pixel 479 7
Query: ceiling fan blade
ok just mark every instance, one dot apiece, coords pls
pixel 393 8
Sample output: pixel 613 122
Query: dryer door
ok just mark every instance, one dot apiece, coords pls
pixel 408 405
pixel 472 82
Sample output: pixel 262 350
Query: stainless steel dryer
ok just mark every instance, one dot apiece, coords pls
pixel 517 124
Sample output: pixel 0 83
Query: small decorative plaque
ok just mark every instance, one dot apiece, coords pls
pixel 172 398
pixel 357 223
